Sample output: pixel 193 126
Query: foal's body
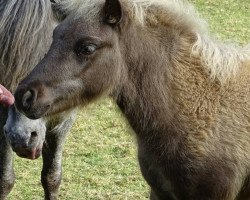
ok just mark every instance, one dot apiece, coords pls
pixel 197 146
pixel 186 97
pixel 193 132
pixel 26 29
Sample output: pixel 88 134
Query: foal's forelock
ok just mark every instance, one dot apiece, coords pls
pixel 141 10
pixel 26 23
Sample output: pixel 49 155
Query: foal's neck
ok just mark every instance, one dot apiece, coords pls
pixel 161 88
pixel 144 97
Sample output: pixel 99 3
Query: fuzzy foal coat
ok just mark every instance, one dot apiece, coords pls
pixel 193 132
pixel 186 97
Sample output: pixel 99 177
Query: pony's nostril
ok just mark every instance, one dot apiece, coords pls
pixel 33 134
pixel 28 99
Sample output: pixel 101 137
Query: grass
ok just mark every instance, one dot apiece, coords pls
pixel 99 159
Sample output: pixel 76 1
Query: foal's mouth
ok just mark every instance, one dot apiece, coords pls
pixel 37 113
pixel 55 107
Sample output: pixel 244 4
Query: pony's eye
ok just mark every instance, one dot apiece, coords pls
pixel 85 49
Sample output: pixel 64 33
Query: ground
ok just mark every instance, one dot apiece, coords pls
pixel 99 159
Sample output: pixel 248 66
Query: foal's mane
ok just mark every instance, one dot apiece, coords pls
pixel 221 60
pixel 23 38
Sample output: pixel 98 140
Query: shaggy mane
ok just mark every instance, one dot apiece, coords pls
pixel 26 23
pixel 222 61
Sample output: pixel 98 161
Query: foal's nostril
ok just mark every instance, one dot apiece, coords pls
pixel 28 99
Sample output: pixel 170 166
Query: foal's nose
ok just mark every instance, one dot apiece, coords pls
pixel 34 99
pixel 25 98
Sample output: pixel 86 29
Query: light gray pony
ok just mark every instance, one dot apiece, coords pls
pixel 26 28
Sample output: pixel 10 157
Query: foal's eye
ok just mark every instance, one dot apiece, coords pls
pixel 85 49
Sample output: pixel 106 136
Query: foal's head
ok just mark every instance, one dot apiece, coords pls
pixel 100 45
pixel 84 62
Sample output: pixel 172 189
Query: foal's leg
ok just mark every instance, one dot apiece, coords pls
pixel 245 192
pixel 7 176
pixel 52 157
pixel 154 178
pixel 153 195
pixel 52 171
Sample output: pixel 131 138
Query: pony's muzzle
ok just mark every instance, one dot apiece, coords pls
pixel 26 145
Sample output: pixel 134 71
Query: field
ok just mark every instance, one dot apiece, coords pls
pixel 99 159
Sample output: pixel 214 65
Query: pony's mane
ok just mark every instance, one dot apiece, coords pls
pixel 23 37
pixel 221 60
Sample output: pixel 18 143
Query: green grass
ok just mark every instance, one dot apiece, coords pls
pixel 99 159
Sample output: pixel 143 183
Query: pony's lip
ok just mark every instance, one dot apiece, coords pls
pixel 30 154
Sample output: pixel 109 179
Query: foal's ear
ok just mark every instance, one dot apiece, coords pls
pixel 112 12
pixel 59 14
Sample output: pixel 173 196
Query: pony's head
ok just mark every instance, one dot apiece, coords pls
pixel 26 29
